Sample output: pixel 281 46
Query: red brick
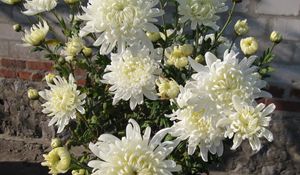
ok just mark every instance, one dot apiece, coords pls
pixel 79 72
pixel 37 76
pixel 283 105
pixel 81 82
pixel 7 73
pixel 39 65
pixel 11 63
pixel 295 93
pixel 276 91
pixel 24 75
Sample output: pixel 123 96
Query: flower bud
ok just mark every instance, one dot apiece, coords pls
pixel 17 27
pixel 71 2
pixel 32 94
pixel 11 2
pixel 200 58
pixel 168 89
pixel 56 142
pixel 61 60
pixel 241 27
pixel 87 51
pixel 276 37
pixel 58 160
pixel 49 78
pixel 249 46
pixel 153 36
pixel 187 49
pixel 80 172
pixel 237 1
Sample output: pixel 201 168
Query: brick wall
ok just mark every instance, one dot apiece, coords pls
pixel 22 124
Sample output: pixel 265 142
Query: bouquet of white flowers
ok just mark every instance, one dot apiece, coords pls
pixel 163 64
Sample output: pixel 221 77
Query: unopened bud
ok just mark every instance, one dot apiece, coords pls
pixel 17 27
pixel 241 27
pixel 32 94
pixel 276 37
pixel 87 51
pixel 153 36
pixel 200 58
pixel 56 142
pixel 49 78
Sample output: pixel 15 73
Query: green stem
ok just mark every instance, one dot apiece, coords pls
pixel 196 41
pixel 232 42
pixel 164 31
pixel 224 27
pixel 272 48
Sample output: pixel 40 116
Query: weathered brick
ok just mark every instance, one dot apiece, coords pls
pixel 7 32
pixel 284 52
pixel 5 13
pixel 16 50
pixel 284 105
pixel 296 58
pixel 37 76
pixel 4 47
pixel 278 7
pixel 25 75
pixel 7 73
pixel 289 28
pixel 243 7
pixel 39 65
pixel 276 91
pixel 13 64
pixel 81 82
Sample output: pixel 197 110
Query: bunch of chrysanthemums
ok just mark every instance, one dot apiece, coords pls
pixel 163 64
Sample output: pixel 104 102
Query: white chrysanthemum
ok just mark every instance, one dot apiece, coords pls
pixel 120 22
pixel 201 12
pixel 224 45
pixel 36 35
pixel 248 122
pixel 199 127
pixel 221 80
pixel 63 100
pixel 132 75
pixel 34 7
pixel 134 154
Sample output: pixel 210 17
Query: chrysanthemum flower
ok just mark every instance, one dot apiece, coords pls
pixel 120 22
pixel 34 7
pixel 221 80
pixel 62 101
pixel 201 12
pixel 134 154
pixel 36 35
pixel 199 127
pixel 58 160
pixel 248 122
pixel 132 75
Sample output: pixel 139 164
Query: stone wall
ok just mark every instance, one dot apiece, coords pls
pixel 24 134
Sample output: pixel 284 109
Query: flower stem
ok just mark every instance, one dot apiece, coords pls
pixel 225 26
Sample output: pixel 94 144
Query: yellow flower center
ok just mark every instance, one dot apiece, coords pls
pixel 133 71
pixel 63 99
